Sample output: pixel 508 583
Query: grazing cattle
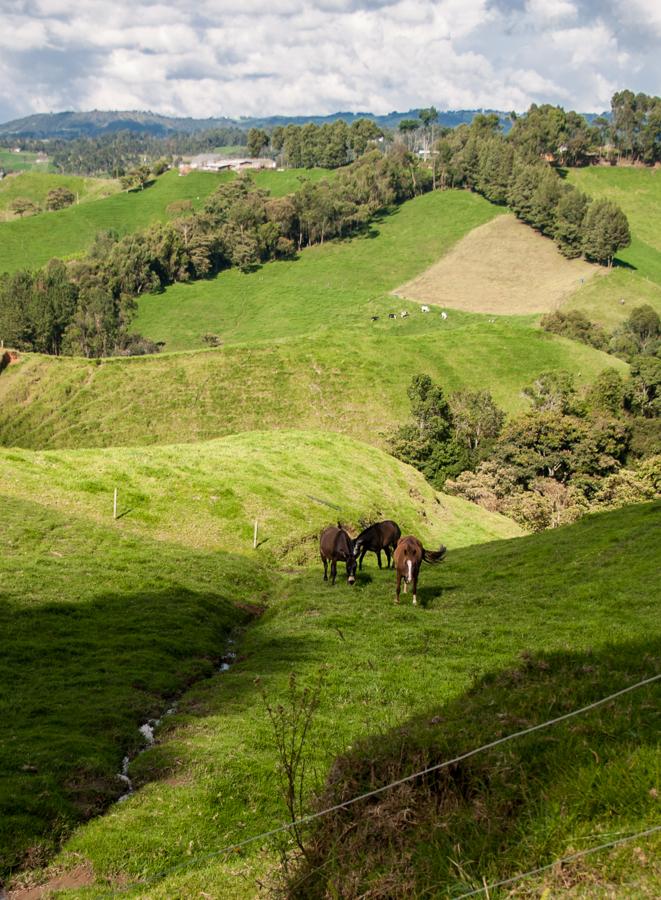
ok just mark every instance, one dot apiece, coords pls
pixel 392 315
pixel 378 537
pixel 424 309
pixel 335 545
pixel 404 314
pixel 374 318
pixel 444 315
pixel 409 555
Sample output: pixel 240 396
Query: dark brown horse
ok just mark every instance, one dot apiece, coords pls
pixel 409 555
pixel 335 545
pixel 375 538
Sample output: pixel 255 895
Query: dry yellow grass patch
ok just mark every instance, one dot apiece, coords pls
pixel 503 267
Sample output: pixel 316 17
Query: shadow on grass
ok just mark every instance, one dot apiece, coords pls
pixel 502 811
pixel 77 678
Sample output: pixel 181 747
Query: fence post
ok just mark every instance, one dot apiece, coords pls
pixel 114 505
pixel 254 540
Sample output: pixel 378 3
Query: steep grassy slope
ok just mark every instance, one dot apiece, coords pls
pixel 206 496
pixel 31 242
pixel 352 382
pixel 103 619
pixel 36 185
pixel 578 604
pixel 638 279
pixel 336 286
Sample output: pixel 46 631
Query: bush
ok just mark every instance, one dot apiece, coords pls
pixel 575 325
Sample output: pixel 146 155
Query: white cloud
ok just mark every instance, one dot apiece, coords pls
pixel 242 57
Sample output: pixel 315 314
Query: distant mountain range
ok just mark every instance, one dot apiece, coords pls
pixel 98 122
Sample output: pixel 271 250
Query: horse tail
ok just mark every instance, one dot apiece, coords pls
pixel 434 556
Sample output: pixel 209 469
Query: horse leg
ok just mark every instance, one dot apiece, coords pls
pixel 378 556
pixel 399 581
pixel 362 557
pixel 333 570
pixel 325 562
pixel 387 549
pixel 415 589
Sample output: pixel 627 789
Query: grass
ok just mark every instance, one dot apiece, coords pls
pixel 637 277
pixel 509 633
pixel 91 606
pixel 89 617
pixel 335 286
pixel 208 495
pixel 21 162
pixel 502 268
pixel 31 242
pixel 352 382
pixel 36 185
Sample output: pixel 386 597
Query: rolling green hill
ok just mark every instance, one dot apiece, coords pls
pixel 114 615
pixel 334 286
pixel 638 280
pixel 31 242
pixel 509 634
pixel 351 381
pixel 36 185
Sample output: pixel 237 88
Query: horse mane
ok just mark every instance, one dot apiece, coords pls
pixel 434 556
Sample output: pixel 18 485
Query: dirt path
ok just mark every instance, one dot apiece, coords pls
pixel 504 268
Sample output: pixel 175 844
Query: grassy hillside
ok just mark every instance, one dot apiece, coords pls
pixel 21 162
pixel 117 615
pixel 33 241
pixel 353 382
pixel 208 495
pixel 335 286
pixel 538 626
pixel 36 185
pixel 638 279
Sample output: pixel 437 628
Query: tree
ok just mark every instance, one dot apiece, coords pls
pixel 428 442
pixel 569 222
pixel 606 231
pixel 645 325
pixel 476 419
pixel 607 393
pixel 552 392
pixel 23 206
pixel 59 198
pixel 646 386
pixel 257 140
pixel 136 178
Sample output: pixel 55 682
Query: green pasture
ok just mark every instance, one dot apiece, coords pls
pixel 21 162
pixel 348 381
pixel 507 635
pixel 636 277
pixel 31 242
pixel 334 287
pixel 36 185
pixel 116 614
pixel 636 190
pixel 208 495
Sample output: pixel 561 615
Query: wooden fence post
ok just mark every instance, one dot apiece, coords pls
pixel 114 505
pixel 254 540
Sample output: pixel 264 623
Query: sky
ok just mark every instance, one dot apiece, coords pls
pixel 206 58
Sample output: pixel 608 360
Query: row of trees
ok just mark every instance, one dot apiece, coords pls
pixel 57 198
pixel 481 158
pixel 330 145
pixel 638 335
pixel 566 456
pixel 84 306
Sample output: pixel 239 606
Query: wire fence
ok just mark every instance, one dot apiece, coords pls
pixel 305 820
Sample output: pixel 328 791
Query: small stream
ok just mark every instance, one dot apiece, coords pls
pixel 147 729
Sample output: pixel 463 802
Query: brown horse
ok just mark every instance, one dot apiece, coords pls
pixel 335 545
pixel 377 537
pixel 409 555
